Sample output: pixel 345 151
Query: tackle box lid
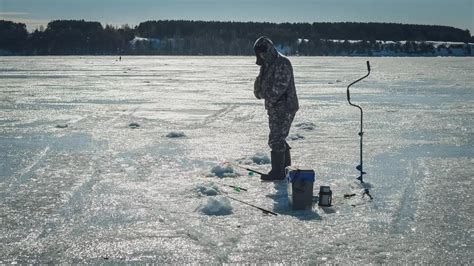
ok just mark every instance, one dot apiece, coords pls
pixel 303 174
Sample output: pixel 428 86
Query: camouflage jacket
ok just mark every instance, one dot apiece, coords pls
pixel 275 82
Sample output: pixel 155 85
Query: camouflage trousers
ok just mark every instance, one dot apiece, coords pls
pixel 280 123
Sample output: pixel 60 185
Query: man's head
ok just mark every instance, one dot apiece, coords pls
pixel 264 50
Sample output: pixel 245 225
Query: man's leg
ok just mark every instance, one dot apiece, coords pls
pixel 280 124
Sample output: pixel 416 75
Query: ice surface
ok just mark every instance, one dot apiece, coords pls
pixel 98 191
pixel 218 205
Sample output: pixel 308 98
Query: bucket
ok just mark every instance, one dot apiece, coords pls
pixel 300 188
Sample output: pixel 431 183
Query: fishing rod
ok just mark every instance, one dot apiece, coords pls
pixel 361 132
pixel 248 169
pixel 248 204
pixel 251 205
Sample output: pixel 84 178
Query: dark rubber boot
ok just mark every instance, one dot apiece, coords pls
pixel 278 167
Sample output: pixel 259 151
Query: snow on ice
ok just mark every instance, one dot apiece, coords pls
pixel 218 205
pixel 260 158
pixel 209 189
pixel 223 171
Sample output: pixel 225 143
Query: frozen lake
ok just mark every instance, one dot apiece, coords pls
pixel 78 184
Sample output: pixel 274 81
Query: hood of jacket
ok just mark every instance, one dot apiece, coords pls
pixel 265 46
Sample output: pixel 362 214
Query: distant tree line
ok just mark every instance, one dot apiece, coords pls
pixel 180 37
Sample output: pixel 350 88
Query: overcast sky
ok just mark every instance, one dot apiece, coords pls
pixel 457 13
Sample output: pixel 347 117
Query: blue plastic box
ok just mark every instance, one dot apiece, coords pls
pixel 300 187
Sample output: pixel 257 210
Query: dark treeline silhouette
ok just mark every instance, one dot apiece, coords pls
pixel 13 36
pixel 180 37
pixel 79 37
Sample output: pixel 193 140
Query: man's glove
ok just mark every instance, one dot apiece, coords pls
pixel 257 88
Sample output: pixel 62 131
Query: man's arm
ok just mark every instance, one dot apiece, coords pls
pixel 257 86
pixel 281 82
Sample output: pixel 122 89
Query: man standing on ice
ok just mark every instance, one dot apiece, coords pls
pixel 276 85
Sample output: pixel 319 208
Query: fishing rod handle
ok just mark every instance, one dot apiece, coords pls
pixel 368 66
